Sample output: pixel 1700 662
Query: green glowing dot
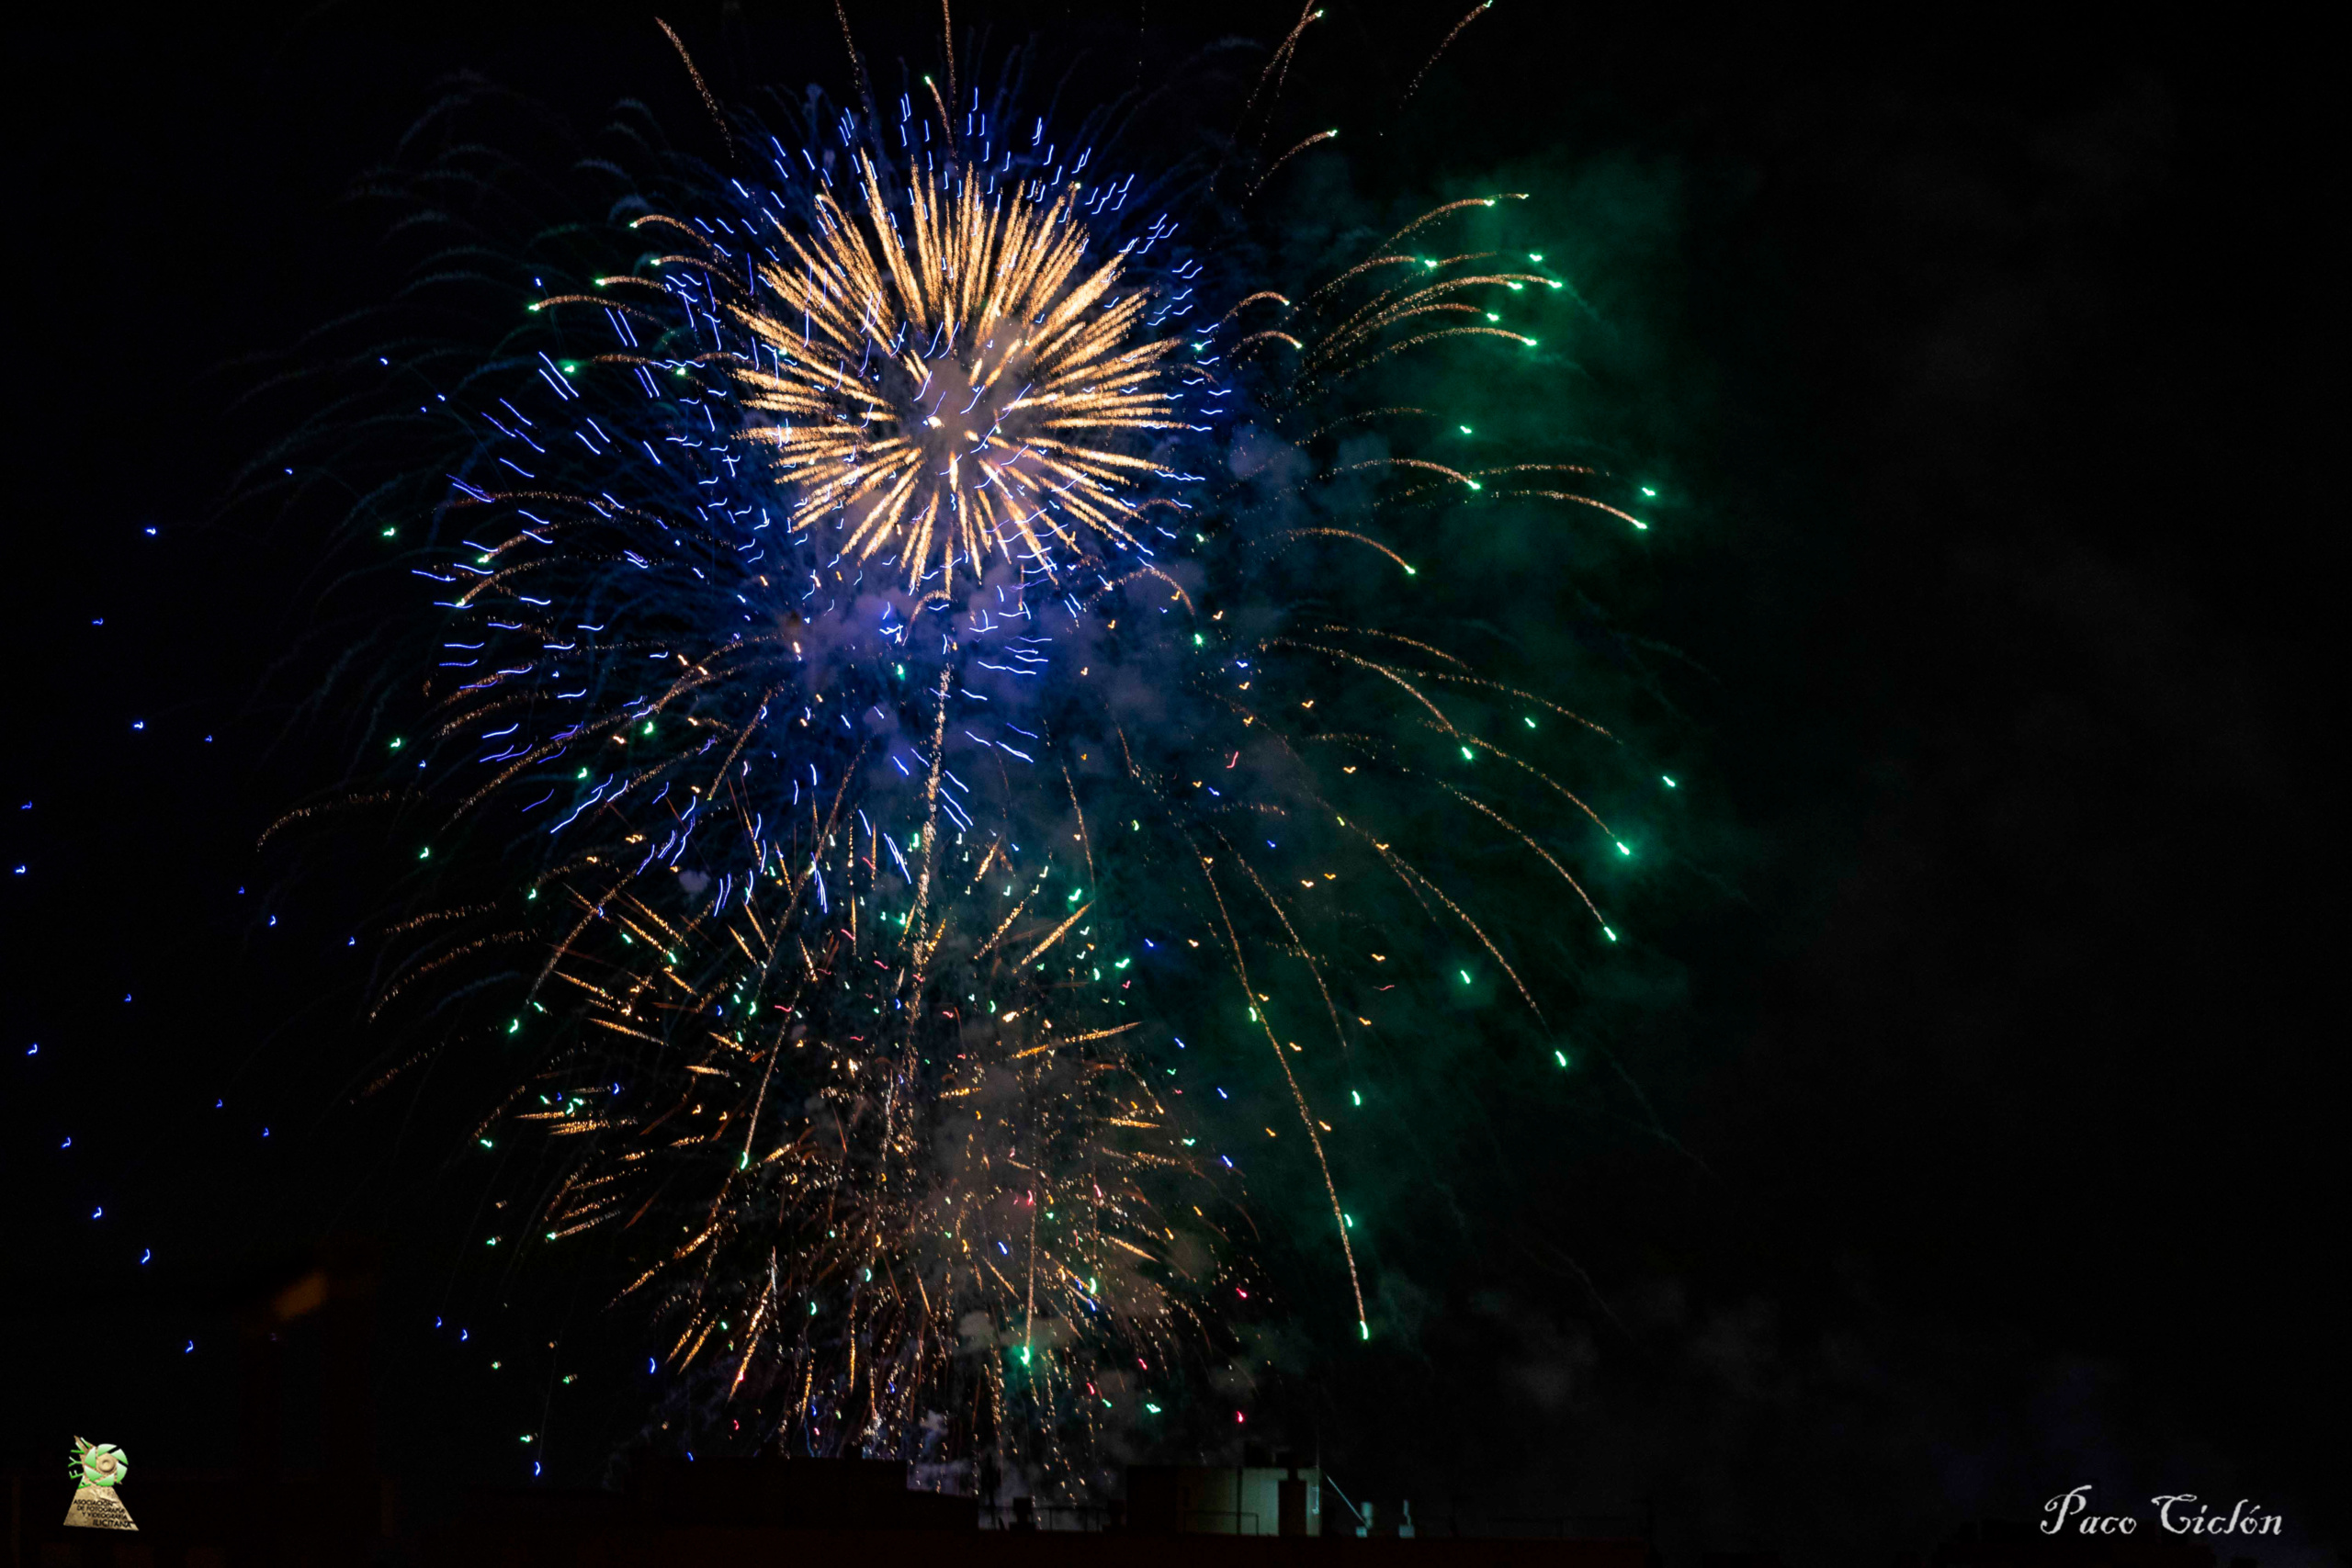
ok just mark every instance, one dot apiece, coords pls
pixel 569 367
pixel 1153 1408
pixel 1492 317
pixel 1528 341
pixel 1198 639
pixel 1535 255
pixel 1609 934
pixel 1253 1015
pixel 584 772
pixel 1350 1220
pixel 551 1237
pixel 424 853
pixel 529 896
pixel 513 1025
pixel 485 1142
pixel 1623 850
pixel 1465 430
pixel 398 743
pixel 1561 1057
pixel 1530 723
pixel 491 1242
pixel 1356 1096
pixel 1669 783
pixel 1465 754
pixel 1646 490
pixel 1476 485
pixel 1465 973
pixel 387 532
pixel 649 728
pixel 744 1160
pixel 1365 1326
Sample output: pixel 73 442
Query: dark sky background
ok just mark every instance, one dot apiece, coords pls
pixel 1995 1145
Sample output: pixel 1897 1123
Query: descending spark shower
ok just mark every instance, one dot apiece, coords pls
pixel 918 682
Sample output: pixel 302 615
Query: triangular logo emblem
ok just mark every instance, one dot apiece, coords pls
pixel 97 1469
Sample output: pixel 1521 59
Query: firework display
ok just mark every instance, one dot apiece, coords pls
pixel 909 800
pixel 877 779
pixel 955 448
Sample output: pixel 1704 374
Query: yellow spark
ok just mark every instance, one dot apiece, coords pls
pixel 951 379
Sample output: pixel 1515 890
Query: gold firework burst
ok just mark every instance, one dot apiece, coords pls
pixel 962 389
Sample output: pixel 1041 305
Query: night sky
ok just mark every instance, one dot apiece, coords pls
pixel 1970 1135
